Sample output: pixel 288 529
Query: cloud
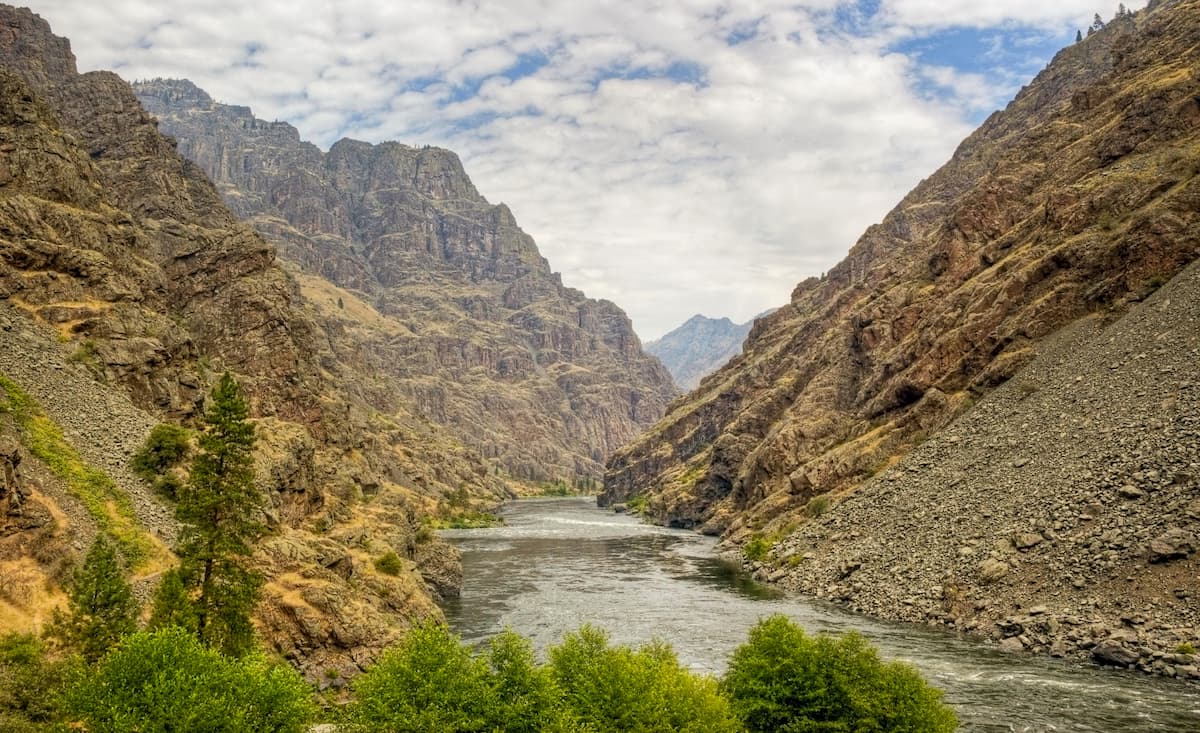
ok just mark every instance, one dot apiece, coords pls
pixel 674 157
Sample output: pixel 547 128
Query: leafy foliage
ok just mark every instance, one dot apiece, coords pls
pixel 784 680
pixel 220 508
pixel 100 605
pixel 29 684
pixel 528 698
pixel 389 563
pixel 166 680
pixel 165 447
pixel 620 688
pixel 758 548
pixel 429 683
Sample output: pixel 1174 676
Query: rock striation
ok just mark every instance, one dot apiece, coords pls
pixel 699 347
pixel 1060 514
pixel 1075 202
pixel 472 325
pixel 126 286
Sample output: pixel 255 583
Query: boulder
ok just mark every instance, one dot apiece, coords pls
pixel 1174 544
pixel 1110 652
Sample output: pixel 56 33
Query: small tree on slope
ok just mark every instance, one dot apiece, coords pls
pixel 100 605
pixel 219 508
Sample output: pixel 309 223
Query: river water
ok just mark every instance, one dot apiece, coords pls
pixel 561 563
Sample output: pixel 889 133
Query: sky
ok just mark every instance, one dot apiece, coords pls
pixel 675 157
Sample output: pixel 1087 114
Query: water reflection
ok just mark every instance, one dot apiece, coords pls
pixel 561 563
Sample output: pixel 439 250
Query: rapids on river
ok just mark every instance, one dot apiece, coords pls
pixel 560 563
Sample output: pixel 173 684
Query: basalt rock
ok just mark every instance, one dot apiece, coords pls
pixel 127 286
pixel 995 393
pixel 1054 209
pixel 469 320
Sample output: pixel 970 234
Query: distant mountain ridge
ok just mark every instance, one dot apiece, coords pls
pixel 466 316
pixel 699 347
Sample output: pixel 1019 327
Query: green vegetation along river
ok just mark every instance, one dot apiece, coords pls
pixel 561 563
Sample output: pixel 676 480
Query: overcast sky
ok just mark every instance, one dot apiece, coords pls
pixel 694 156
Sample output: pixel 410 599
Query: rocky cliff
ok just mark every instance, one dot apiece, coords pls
pixel 699 347
pixel 1074 202
pixel 472 324
pixel 126 287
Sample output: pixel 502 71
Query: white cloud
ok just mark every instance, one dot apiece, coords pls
pixel 656 164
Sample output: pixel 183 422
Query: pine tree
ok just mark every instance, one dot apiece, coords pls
pixel 1078 36
pixel 220 510
pixel 172 604
pixel 100 605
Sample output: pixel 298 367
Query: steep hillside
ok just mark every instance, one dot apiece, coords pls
pixel 1076 200
pixel 473 325
pixel 1074 203
pixel 699 347
pixel 127 286
pixel 1060 515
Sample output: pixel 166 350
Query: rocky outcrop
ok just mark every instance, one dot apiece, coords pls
pixel 472 325
pixel 1073 203
pixel 1078 197
pixel 1061 512
pixel 699 347
pixel 127 286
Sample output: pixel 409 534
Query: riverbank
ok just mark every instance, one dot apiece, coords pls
pixel 1060 516
pixel 559 563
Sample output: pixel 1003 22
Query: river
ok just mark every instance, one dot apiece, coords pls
pixel 561 563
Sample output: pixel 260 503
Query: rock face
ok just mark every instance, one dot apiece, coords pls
pixel 472 324
pixel 126 286
pixel 1016 521
pixel 699 347
pixel 1075 202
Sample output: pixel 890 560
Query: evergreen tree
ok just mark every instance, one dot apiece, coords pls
pixel 172 604
pixel 219 508
pixel 1078 36
pixel 100 605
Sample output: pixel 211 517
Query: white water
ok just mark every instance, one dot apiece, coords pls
pixel 561 563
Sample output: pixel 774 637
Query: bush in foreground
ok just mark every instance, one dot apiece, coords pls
pixel 620 688
pixel 783 680
pixel 431 682
pixel 30 684
pixel 167 680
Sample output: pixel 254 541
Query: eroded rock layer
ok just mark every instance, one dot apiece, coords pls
pixel 126 287
pixel 1074 202
pixel 473 325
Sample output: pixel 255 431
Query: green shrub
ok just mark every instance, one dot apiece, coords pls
pixel 818 505
pixel 168 485
pixel 637 504
pixel 165 447
pixel 30 684
pixel 428 683
pixel 167 680
pixel 758 548
pixel 621 689
pixel 784 680
pixel 389 564
pixel 1185 648
pixel 528 699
